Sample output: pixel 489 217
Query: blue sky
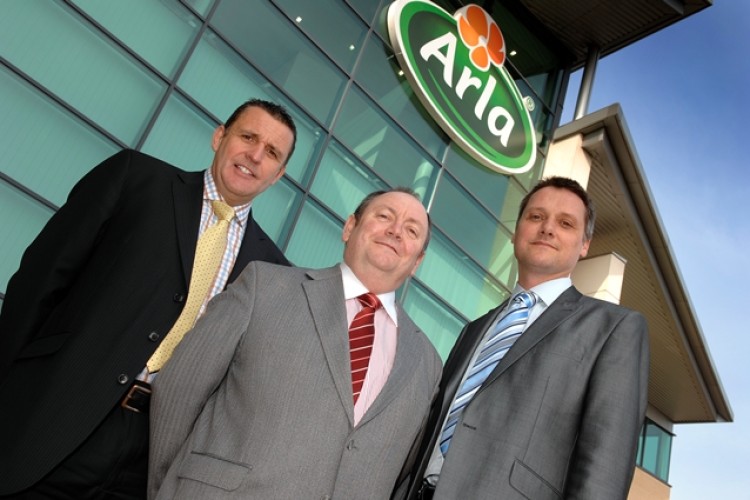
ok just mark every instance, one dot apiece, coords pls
pixel 684 93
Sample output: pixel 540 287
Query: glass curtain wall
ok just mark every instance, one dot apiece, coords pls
pixel 81 79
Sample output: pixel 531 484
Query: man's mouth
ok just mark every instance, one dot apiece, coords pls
pixel 544 243
pixel 388 245
pixel 244 169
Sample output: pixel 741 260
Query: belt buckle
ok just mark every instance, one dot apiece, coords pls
pixel 135 389
pixel 426 491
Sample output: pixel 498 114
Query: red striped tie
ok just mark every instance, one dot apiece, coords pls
pixel 361 335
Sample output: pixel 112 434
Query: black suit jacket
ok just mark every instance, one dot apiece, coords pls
pixel 95 293
pixel 558 417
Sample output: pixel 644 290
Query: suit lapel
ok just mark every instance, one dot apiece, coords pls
pixel 187 193
pixel 249 249
pixel 325 296
pixel 565 305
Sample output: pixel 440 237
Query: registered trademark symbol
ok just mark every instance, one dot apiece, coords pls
pixel 529 102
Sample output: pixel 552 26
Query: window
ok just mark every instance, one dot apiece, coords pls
pixel 158 31
pixel 655 450
pixel 80 66
pixel 344 43
pixel 282 53
pixel 379 142
pixel 457 280
pixel 44 147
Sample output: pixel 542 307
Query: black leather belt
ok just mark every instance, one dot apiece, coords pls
pixel 426 491
pixel 138 398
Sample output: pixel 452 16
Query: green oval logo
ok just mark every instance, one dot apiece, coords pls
pixel 455 66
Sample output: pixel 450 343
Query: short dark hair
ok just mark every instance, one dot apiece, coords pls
pixel 575 188
pixel 400 189
pixel 276 110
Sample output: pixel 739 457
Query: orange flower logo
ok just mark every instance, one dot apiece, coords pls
pixel 482 37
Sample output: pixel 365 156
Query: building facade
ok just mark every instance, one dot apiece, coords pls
pixel 82 79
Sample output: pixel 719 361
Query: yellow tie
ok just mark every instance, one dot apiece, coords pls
pixel 208 254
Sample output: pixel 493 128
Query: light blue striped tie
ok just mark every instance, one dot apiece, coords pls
pixel 505 332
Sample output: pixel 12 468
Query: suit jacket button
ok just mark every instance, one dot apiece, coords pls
pixel 350 445
pixel 153 336
pixel 178 297
pixel 122 379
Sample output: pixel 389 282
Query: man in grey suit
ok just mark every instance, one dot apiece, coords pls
pixel 258 400
pixel 558 416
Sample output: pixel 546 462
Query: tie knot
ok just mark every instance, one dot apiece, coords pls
pixel 527 299
pixel 222 210
pixel 369 300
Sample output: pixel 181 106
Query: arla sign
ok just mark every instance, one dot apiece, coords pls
pixel 455 66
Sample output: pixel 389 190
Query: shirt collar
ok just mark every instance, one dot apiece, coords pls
pixel 354 288
pixel 210 193
pixel 548 291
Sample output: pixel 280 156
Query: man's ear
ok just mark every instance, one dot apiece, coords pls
pixel 217 137
pixel 416 264
pixel 584 249
pixel 351 221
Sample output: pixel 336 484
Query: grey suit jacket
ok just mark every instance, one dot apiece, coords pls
pixel 256 402
pixel 560 415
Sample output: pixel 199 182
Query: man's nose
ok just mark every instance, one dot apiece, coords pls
pixel 256 151
pixel 395 229
pixel 546 226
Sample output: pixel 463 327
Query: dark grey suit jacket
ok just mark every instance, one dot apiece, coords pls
pixel 256 401
pixel 560 415
pixel 95 293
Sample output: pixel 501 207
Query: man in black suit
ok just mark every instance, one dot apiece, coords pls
pixel 97 291
pixel 542 397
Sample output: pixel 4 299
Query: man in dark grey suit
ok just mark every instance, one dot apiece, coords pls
pixel 559 414
pixel 98 290
pixel 258 400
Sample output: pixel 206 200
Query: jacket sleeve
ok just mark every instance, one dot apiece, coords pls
pixel 54 259
pixel 603 461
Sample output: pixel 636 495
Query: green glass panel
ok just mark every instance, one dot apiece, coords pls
pixel 657 449
pixel 541 116
pixel 463 220
pixel 181 136
pixel 159 31
pixel 380 76
pixel 438 323
pixel 458 281
pixel 380 144
pixel 342 182
pixel 529 54
pixel 70 58
pixel 316 240
pixel 488 186
pixel 282 53
pixel 365 8
pixel 220 80
pixel 315 19
pixel 273 209
pixel 44 148
pixel 200 6
pixel 21 219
